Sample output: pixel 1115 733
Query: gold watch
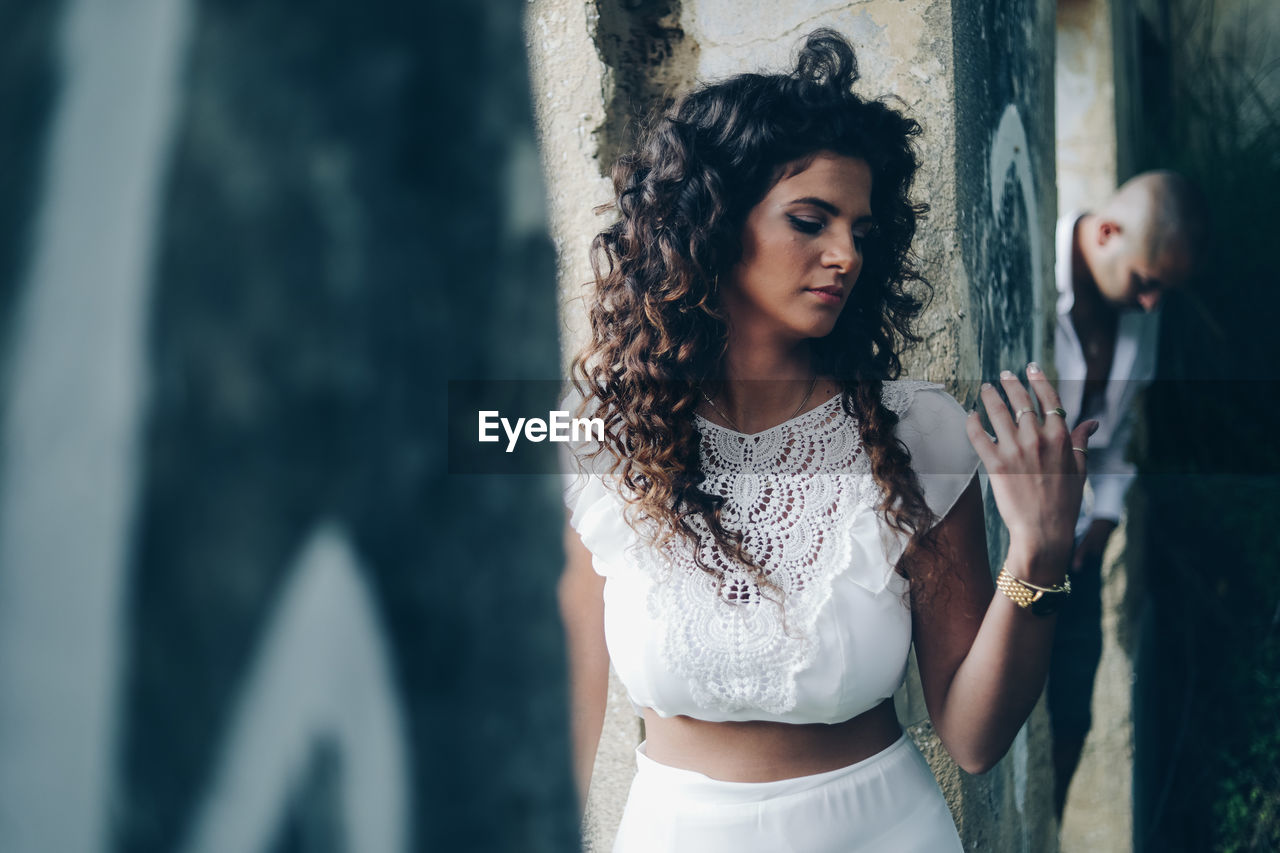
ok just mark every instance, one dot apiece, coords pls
pixel 1039 600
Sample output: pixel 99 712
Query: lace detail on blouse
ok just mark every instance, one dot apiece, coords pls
pixel 830 637
pixel 794 491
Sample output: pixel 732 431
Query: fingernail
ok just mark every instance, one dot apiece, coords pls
pixel 1007 374
pixel 1094 428
pixel 986 386
pixel 1033 368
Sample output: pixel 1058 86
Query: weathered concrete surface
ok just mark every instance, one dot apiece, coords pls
pixel 614 769
pixel 1095 46
pixel 1099 809
pixel 571 86
pixel 978 77
pixel 1085 104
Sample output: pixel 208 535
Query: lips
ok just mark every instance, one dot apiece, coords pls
pixel 831 295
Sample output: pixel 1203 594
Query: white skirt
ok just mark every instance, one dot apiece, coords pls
pixel 888 802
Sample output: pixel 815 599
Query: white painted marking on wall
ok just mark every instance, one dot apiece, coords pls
pixel 69 459
pixel 1009 150
pixel 322 674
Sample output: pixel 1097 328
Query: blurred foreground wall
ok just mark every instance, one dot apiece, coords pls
pixel 244 604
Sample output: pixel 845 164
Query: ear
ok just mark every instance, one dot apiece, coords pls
pixel 1107 229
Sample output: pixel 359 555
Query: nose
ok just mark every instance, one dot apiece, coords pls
pixel 842 255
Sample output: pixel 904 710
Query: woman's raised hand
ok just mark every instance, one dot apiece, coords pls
pixel 1036 469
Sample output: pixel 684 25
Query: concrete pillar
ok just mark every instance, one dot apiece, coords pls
pixel 1085 89
pixel 977 74
pixel 1097 89
pixel 245 603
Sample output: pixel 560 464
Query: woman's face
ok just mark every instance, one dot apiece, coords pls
pixel 802 251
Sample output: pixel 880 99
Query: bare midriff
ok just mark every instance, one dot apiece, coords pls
pixel 759 751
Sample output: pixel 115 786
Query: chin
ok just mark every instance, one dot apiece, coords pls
pixel 815 324
pixel 820 330
pixel 828 323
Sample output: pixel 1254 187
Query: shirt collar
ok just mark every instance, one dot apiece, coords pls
pixel 1063 243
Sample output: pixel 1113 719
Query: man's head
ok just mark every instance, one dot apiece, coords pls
pixel 1148 239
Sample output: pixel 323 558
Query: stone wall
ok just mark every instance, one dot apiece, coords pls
pixel 1085 102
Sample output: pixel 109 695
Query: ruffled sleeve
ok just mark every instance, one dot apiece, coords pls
pixel 596 510
pixel 932 426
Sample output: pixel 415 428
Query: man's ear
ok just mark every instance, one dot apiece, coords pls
pixel 1108 229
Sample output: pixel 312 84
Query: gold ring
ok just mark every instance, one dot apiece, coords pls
pixel 1081 450
pixel 1060 412
pixel 1017 419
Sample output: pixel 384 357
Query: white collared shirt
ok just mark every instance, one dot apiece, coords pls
pixel 1133 367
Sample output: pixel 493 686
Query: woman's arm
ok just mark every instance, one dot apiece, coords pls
pixel 581 593
pixel 983 659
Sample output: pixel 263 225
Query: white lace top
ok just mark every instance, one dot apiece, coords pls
pixel 803 496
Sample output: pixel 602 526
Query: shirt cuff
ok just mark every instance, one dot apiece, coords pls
pixel 1109 492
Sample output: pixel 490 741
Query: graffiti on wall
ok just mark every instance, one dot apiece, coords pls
pixel 243 605
pixel 1004 97
pixel 1013 183
pixel 72 454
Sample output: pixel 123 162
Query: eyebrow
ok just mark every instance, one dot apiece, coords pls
pixel 825 205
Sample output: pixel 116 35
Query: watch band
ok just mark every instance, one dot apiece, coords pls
pixel 1040 600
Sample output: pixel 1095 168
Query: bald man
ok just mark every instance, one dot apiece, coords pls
pixel 1114 267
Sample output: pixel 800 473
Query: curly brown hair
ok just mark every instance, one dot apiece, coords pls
pixel 658 328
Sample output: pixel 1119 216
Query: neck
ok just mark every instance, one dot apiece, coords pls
pixel 751 357
pixel 763 381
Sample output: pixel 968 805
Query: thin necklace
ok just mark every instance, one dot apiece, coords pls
pixel 734 424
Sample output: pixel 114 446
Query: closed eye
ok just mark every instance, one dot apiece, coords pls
pixel 806 226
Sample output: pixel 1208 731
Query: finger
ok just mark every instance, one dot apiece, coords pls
pixel 1019 400
pixel 1080 438
pixel 1048 396
pixel 998 413
pixel 983 444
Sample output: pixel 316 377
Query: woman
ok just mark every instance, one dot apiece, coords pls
pixel 772 521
